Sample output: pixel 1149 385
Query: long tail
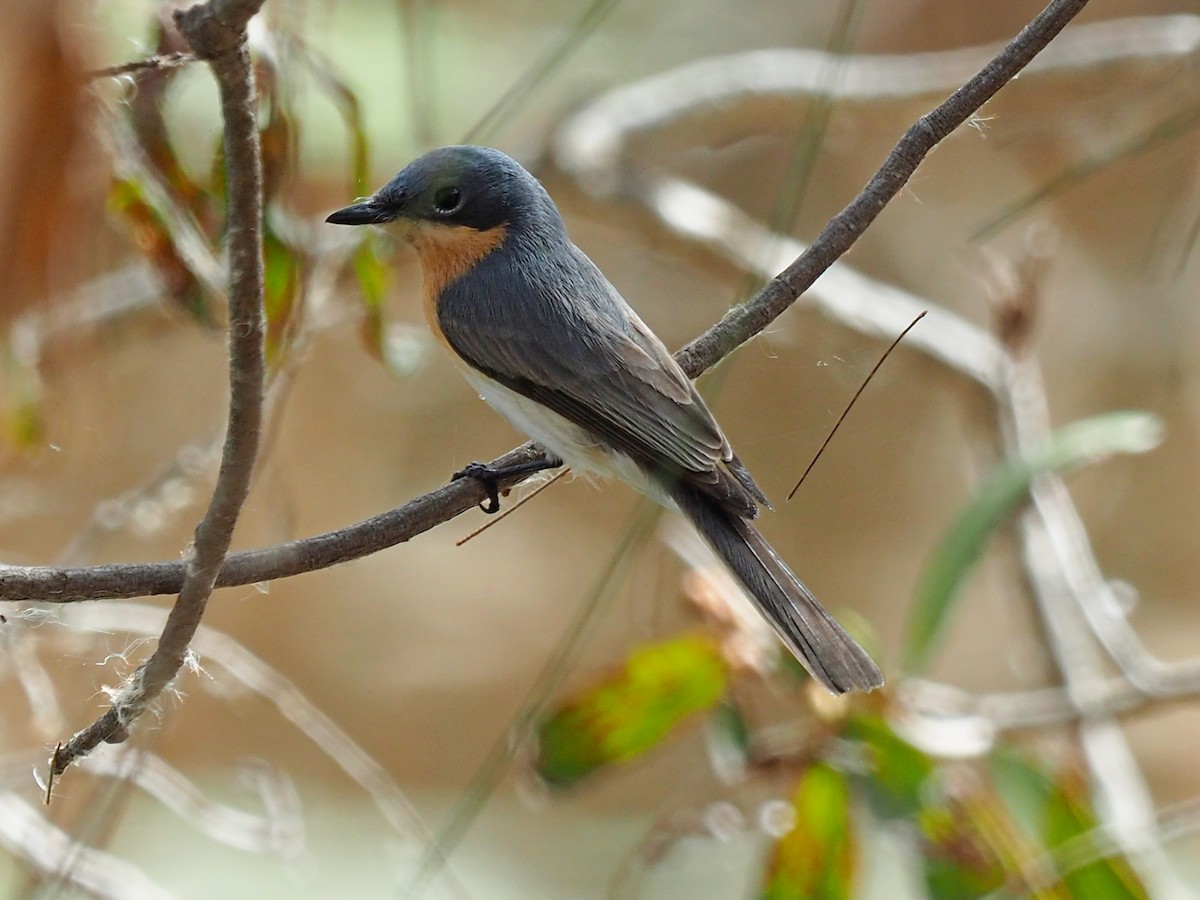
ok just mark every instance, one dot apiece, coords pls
pixel 829 654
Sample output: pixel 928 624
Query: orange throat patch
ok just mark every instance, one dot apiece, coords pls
pixel 447 253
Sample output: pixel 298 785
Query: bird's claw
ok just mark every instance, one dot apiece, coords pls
pixel 489 478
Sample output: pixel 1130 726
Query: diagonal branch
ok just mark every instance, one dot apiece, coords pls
pixel 739 325
pixel 841 232
pixel 216 31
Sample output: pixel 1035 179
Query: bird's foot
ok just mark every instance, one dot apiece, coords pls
pixel 491 476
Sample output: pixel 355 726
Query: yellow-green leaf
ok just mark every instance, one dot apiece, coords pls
pixel 373 276
pixel 22 425
pixel 659 687
pixel 283 271
pixel 153 239
pixel 816 859
pixel 1068 815
pixel 962 843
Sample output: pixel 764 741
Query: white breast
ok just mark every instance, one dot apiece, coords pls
pixel 572 444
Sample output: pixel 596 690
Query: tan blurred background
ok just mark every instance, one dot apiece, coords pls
pixel 423 653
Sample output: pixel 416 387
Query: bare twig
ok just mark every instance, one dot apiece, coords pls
pixel 156 63
pixel 1066 583
pixel 841 232
pixel 278 829
pixel 932 705
pixel 66 585
pixel 216 31
pixel 591 141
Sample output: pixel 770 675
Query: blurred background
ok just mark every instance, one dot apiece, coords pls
pixel 340 724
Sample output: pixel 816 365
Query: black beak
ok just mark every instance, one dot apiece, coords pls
pixel 369 212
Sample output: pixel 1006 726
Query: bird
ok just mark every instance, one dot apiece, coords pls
pixel 549 343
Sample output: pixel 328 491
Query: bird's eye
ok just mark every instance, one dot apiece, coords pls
pixel 447 199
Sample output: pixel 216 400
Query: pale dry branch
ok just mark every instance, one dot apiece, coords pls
pixel 592 143
pixel 250 673
pixel 278 830
pixel 47 848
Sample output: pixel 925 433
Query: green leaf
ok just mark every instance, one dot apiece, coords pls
pixel 373 276
pixel 634 709
pixel 898 772
pixel 1055 809
pixel 1068 815
pixel 1023 786
pixel 283 271
pixel 148 229
pixel 1002 492
pixel 816 859
pixel 962 843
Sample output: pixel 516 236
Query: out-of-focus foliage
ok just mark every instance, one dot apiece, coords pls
pixel 1002 492
pixel 21 415
pixel 815 860
pixel 164 207
pixel 632 710
pixel 150 234
pixel 967 848
pixel 1054 809
pixel 897 775
pixel 979 826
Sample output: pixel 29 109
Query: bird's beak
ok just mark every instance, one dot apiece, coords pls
pixel 369 212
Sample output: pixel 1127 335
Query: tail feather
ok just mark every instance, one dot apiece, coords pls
pixel 824 648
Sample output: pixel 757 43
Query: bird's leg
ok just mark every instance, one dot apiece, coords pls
pixel 491 476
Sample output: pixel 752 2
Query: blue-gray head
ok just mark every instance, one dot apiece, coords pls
pixel 468 187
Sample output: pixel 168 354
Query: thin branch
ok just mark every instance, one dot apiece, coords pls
pixel 595 146
pixel 277 830
pixel 156 63
pixel 739 325
pixel 122 580
pixel 216 31
pixel 844 229
pixel 932 706
pixel 496 520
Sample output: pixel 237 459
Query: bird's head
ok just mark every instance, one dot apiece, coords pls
pixel 450 192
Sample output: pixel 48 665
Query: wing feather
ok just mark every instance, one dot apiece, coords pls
pixel 568 340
